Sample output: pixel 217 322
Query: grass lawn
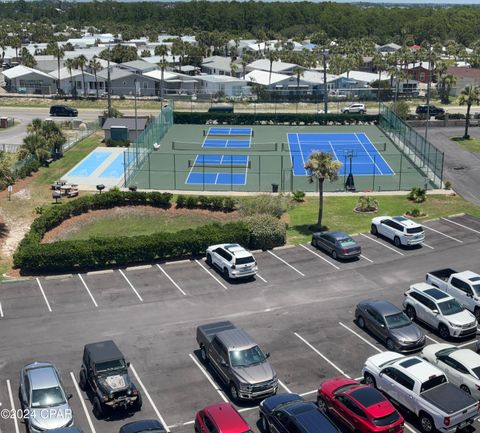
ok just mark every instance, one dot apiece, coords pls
pixel 338 213
pixel 472 144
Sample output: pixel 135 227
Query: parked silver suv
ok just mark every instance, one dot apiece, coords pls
pixel 43 398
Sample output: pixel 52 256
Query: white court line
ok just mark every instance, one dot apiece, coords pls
pixel 382 244
pixel 219 390
pixel 193 165
pixel 145 392
pixel 322 356
pixel 428 246
pixel 366 258
pixel 368 153
pixel 288 264
pixel 88 291
pixel 432 339
pixel 1 310
pixel 461 225
pixel 131 285
pixel 209 273
pixel 359 336
pixel 82 401
pixel 303 156
pixel 12 404
pixel 44 296
pixel 443 234
pixel 258 275
pixel 320 257
pixel 284 386
pixel 171 280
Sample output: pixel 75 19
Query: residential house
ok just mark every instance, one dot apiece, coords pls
pixel 71 82
pixel 21 79
pixel 420 72
pixel 47 63
pixel 221 85
pixel 138 66
pixel 389 48
pixel 277 66
pixel 218 65
pixel 282 84
pixel 123 82
pixel 124 128
pixel 173 83
pixel 465 77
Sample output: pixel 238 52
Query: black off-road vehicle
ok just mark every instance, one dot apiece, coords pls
pixel 105 372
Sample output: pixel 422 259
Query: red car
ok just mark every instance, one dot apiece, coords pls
pixel 220 418
pixel 362 408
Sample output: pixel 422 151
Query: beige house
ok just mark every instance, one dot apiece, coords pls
pixel 464 76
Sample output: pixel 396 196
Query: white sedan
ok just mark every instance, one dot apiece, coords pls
pixel 461 366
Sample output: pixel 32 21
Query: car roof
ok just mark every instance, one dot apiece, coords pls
pixel 307 415
pixel 103 351
pixel 405 221
pixel 141 426
pixel 237 250
pixel 467 357
pixel 366 395
pixel 42 375
pixel 383 307
pixel 432 292
pixel 236 339
pixel 469 275
pixel 418 368
pixel 227 419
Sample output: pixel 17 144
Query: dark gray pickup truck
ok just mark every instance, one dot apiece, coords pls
pixel 238 360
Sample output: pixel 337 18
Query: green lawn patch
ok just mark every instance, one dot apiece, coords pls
pixel 471 144
pixel 339 215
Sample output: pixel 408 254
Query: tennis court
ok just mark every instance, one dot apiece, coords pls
pixel 222 170
pixel 366 159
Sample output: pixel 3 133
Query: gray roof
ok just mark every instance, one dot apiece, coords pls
pixel 141 65
pixel 117 73
pixel 236 339
pixel 217 62
pixel 128 122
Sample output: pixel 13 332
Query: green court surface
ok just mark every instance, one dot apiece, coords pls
pixel 264 159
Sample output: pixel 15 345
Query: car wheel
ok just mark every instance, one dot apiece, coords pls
pixel 465 389
pixel 233 392
pixel 390 345
pixel 226 274
pixel 346 111
pixel 362 111
pixel 97 408
pixel 264 422
pixel 443 331
pixel 426 423
pixel 82 383
pixel 334 255
pixel 397 242
pixel 361 322
pixel 411 313
pixel 369 379
pixel 322 404
pixel 138 404
pixel 203 353
pixel 373 230
pixel 209 260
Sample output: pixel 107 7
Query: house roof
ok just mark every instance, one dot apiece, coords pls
pixel 20 71
pixel 391 45
pixel 463 72
pixel 65 74
pixel 127 122
pixel 117 73
pixel 219 79
pixel 316 77
pixel 264 78
pixel 277 66
pixel 141 65
pixel 217 62
pixel 157 75
pixel 366 77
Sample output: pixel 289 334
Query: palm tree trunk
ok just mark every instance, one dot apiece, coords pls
pixel 84 88
pixel 467 122
pixel 162 83
pixel 320 203
pixel 96 81
pixel 58 83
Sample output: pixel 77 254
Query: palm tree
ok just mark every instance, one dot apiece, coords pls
pixel 54 50
pixel 246 59
pixel 95 66
pixel 163 64
pixel 469 96
pixel 161 50
pixel 272 57
pixel 233 69
pixel 298 72
pixel 81 62
pixel 70 64
pixel 35 145
pixel 6 175
pixel 321 166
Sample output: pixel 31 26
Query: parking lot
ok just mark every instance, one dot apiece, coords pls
pixel 300 308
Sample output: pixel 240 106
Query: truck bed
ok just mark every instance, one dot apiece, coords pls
pixel 205 333
pixel 448 398
pixel 442 274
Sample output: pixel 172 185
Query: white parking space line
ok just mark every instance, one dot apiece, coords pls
pixel 467 344
pixel 88 291
pixel 263 279
pixel 172 281
pixel 215 387
pixel 443 234
pixel 44 296
pixel 322 356
pixel 145 392
pixel 320 257
pixel 461 225
pixel 1 310
pixel 382 244
pixel 82 402
pixel 246 409
pixel 366 258
pixel 288 264
pixel 428 246
pixel 359 336
pixel 303 394
pixel 12 404
pixel 131 285
pixel 431 339
pixel 209 273
pixel 285 387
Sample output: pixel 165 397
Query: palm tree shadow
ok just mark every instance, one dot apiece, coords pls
pixel 3 230
pixel 308 229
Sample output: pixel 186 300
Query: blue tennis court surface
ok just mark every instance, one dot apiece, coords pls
pixel 221 160
pixel 238 144
pixel 230 131
pixel 90 163
pixel 366 159
pixel 218 170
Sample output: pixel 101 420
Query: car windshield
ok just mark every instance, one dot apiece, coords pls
pixel 476 288
pixel 450 307
pixel 108 366
pixel 476 372
pixel 247 357
pixel 244 260
pixel 432 383
pixel 386 420
pixel 347 242
pixel 398 320
pixel 47 397
pixel 415 230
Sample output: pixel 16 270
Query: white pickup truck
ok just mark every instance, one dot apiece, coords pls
pixel 463 286
pixel 423 389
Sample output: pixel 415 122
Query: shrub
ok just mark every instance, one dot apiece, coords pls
pixel 117 143
pixel 210 202
pixel 415 212
pixel 448 184
pixel 191 201
pixel 266 231
pixel 181 200
pixel 366 203
pixel 401 109
pixel 417 195
pixel 264 204
pixel 298 196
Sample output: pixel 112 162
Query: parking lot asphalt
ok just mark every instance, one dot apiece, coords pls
pixel 300 308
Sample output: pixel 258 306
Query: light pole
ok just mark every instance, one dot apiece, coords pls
pixel 109 99
pixel 325 90
pixel 429 85
pixel 136 129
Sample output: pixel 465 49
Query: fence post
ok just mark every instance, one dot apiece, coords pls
pixel 149 173
pixel 374 172
pixel 174 171
pixel 400 173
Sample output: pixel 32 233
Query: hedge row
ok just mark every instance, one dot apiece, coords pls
pixel 213 203
pixel 251 119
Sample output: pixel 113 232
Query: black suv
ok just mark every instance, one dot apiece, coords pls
pixel 104 372
pixel 433 111
pixel 63 110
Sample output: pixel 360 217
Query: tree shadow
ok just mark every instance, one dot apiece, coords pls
pixel 308 229
pixel 3 230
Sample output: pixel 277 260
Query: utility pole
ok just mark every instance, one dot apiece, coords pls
pixel 325 90
pixel 429 85
pixel 109 98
